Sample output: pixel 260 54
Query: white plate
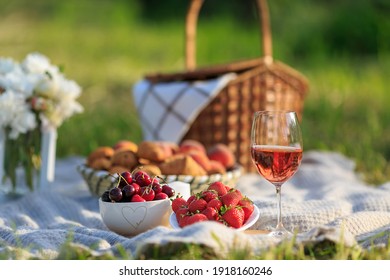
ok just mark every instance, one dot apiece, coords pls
pixel 250 222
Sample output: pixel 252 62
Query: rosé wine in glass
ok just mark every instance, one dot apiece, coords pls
pixel 276 151
pixel 276 163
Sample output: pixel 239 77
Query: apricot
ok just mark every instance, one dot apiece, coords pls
pixel 201 158
pixel 190 145
pixel 216 168
pixel 221 152
pixel 126 144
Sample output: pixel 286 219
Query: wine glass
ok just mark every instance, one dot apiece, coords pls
pixel 276 151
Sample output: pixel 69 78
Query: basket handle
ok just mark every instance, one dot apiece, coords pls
pixel 190 32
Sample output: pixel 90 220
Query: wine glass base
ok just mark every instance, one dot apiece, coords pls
pixel 280 233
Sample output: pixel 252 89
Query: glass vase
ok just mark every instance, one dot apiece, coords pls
pixel 26 163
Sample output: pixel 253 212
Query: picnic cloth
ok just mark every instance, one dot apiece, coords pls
pixel 326 201
pixel 166 110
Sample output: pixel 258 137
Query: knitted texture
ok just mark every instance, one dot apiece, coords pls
pixel 325 201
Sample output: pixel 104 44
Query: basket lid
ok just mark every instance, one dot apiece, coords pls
pixel 205 73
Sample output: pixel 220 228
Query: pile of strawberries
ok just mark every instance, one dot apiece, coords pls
pixel 218 202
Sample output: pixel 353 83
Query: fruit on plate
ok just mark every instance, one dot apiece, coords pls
pixel 190 157
pixel 219 203
pixel 138 187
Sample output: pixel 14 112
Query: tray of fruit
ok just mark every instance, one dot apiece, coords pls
pixel 139 203
pixel 188 162
pixel 219 203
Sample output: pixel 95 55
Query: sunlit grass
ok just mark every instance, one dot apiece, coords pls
pixel 345 109
pixel 106 48
pixel 286 250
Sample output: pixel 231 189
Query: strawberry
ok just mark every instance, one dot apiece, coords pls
pixel 211 213
pixel 181 215
pixel 247 206
pixel 233 216
pixel 215 203
pixel 231 198
pixel 196 218
pixel 209 195
pixel 182 211
pixel 182 220
pixel 190 199
pixel 177 203
pixel 197 205
pixel 219 187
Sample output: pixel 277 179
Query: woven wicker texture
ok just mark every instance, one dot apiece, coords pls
pixel 98 181
pixel 261 84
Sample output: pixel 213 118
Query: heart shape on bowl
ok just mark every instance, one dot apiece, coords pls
pixel 137 215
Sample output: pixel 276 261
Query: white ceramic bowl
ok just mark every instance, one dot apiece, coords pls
pixel 250 222
pixel 132 218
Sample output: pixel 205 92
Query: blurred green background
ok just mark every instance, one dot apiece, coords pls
pixel 343 47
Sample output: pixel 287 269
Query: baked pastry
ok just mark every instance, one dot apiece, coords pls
pixel 151 169
pixel 100 164
pixel 100 152
pixel 124 158
pixel 117 169
pixel 181 164
pixel 154 151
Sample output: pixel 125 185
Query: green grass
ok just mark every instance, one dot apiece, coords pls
pixel 287 250
pixel 106 46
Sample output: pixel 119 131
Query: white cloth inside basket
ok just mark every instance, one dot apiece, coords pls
pixel 167 110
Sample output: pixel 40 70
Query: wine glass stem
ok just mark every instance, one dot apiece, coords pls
pixel 279 204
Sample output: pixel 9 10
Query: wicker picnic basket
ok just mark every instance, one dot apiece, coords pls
pixel 260 84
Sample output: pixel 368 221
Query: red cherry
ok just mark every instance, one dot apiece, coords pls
pixel 168 190
pixel 137 188
pixel 147 193
pixel 125 178
pixel 161 196
pixel 137 198
pixel 115 194
pixel 142 178
pixel 155 181
pixel 157 188
pixel 128 191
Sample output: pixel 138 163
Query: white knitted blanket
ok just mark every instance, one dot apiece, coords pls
pixel 325 201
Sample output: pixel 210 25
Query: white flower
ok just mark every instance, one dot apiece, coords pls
pixel 16 114
pixel 47 85
pixel 35 80
pixel 36 63
pixel 18 82
pixel 7 65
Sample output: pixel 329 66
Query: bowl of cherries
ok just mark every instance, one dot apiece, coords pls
pixel 138 203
